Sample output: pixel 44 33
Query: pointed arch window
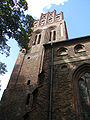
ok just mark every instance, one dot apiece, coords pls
pixel 84 91
pixel 81 87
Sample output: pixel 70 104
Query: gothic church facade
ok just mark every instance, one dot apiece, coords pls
pixel 51 81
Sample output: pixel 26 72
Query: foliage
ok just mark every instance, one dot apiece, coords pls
pixel 14 24
pixel 2 68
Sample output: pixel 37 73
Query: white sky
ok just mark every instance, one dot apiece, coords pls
pixel 4 81
pixel 35 7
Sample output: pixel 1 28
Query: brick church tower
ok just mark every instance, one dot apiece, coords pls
pixel 51 81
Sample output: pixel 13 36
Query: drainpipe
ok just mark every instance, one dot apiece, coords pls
pixel 51 84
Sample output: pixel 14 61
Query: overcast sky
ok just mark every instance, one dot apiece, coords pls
pixel 77 17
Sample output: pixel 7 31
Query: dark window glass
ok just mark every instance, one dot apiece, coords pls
pixel 28 82
pixel 54 35
pixel 39 39
pixel 84 89
pixel 50 36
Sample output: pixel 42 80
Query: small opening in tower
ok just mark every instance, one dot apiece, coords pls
pixel 28 98
pixel 50 36
pixel 39 39
pixel 54 35
pixel 28 82
pixel 28 58
pixel 26 116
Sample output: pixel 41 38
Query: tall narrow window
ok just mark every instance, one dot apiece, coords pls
pixel 84 88
pixel 50 36
pixel 82 91
pixel 35 40
pixel 39 38
pixel 54 35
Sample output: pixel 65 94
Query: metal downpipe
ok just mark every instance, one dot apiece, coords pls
pixel 51 84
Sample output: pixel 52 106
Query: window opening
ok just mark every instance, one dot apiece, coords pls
pixel 79 48
pixel 28 98
pixel 50 36
pixel 39 38
pixel 28 58
pixel 62 51
pixel 28 82
pixel 54 35
pixel 84 90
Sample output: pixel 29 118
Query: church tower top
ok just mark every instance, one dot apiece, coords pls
pixel 48 18
pixel 51 27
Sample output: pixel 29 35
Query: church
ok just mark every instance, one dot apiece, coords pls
pixel 52 80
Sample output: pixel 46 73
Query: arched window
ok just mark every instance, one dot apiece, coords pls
pixel 79 48
pixel 62 51
pixel 84 91
pixel 81 86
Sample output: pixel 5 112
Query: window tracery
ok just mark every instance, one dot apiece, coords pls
pixel 84 90
pixel 81 87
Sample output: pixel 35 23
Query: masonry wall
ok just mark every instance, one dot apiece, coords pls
pixel 63 96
